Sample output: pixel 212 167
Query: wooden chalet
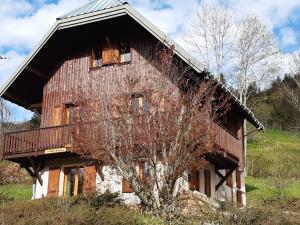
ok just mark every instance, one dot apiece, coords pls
pixel 74 49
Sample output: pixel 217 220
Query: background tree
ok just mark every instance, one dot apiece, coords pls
pixel 211 35
pixel 292 85
pixel 255 55
pixel 247 48
pixel 153 134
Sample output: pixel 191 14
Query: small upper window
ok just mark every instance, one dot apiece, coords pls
pixel 140 104
pixel 111 54
pixel 125 54
pixel 96 60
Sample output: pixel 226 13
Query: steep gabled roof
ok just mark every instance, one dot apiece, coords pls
pixel 99 10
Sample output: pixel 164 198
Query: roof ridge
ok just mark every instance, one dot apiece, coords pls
pixel 92 6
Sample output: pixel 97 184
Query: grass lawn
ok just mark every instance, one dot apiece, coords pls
pixel 273 161
pixel 17 191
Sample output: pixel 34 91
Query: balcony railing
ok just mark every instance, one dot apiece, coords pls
pixel 59 138
pixel 35 142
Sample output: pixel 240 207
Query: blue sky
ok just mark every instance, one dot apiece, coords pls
pixel 24 22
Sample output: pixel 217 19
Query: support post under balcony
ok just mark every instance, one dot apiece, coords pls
pixel 33 169
pixel 223 178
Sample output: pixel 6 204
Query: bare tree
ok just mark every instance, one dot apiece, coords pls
pixel 165 136
pixel 211 35
pixel 293 90
pixel 5 114
pixel 256 56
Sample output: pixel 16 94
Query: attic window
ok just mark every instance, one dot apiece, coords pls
pixel 110 54
pixel 125 54
pixel 96 59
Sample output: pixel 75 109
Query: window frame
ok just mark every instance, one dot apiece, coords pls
pixel 137 108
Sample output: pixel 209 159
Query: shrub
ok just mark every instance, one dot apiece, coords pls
pixel 11 173
pixel 96 200
pixel 4 198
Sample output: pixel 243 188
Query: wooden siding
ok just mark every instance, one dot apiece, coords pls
pixel 230 143
pixel 114 80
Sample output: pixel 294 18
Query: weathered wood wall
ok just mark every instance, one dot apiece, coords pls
pixel 75 75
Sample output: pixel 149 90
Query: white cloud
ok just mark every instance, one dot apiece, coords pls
pixel 288 37
pixel 22 32
pixel 9 65
pixel 170 17
pixel 276 12
pixel 15 8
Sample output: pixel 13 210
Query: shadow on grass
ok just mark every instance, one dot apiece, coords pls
pixel 250 188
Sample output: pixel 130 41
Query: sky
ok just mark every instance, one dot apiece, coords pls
pixel 24 22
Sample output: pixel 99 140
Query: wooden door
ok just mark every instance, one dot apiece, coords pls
pixel 57 116
pixel 194 181
pixel 207 178
pixel 53 184
pixel 89 180
pixel 126 188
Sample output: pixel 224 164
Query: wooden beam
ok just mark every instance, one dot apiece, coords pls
pixel 15 98
pixel 37 72
pixel 36 169
pixel 36 108
pixel 29 171
pixel 219 174
pixel 224 178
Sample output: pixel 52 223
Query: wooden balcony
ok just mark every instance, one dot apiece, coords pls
pixel 58 139
pixel 36 142
pixel 230 146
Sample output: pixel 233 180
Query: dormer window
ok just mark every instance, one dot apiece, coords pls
pixel 110 54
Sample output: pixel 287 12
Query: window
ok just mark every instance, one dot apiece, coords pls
pixel 194 180
pixel 73 181
pixel 110 54
pixel 96 60
pixel 140 104
pixel 57 115
pixel 143 170
pixel 207 180
pixel 125 54
pixel 126 188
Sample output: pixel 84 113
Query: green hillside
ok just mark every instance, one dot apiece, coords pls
pixel 273 161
